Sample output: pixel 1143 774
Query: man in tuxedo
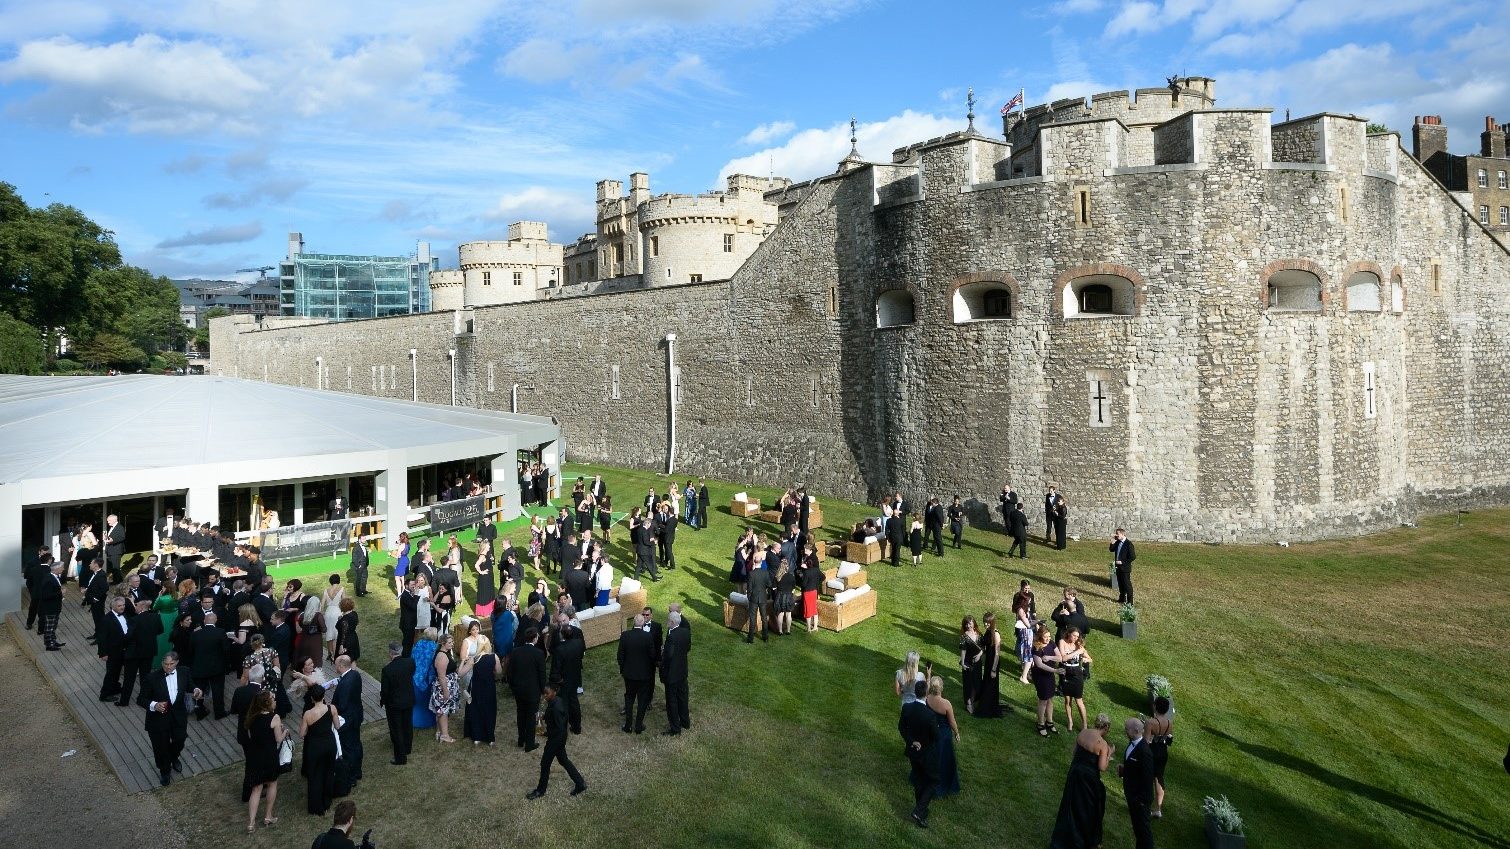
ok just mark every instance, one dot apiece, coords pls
pixel 933 526
pixel 359 567
pixel 396 698
pixel 757 590
pixel 141 647
pixel 896 532
pixel 1137 770
pixel 1005 502
pixel 637 668
pixel 408 615
pixel 96 589
pixel 1058 516
pixel 336 509
pixel 33 574
pixel 111 647
pixel 579 587
pixel 919 738
pixel 209 647
pixel 665 538
pixel 248 686
pixel 49 596
pixel 1070 613
pixel 1122 561
pixel 339 836
pixel 566 666
pixel 115 546
pixel 674 673
pixel 643 537
pixel 264 604
pixel 1048 513
pixel 1017 527
pixel 555 742
pixel 165 694
pixel 346 698
pixel 702 503
pixel 526 674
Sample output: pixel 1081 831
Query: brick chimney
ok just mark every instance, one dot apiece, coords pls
pixel 1428 137
pixel 1492 142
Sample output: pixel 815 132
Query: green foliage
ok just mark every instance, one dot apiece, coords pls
pixel 173 359
pixel 1228 820
pixel 1158 685
pixel 111 349
pixel 215 312
pixel 21 350
pixel 1127 613
pixel 201 340
pixel 1378 128
pixel 62 272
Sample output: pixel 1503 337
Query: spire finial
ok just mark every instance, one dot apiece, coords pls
pixel 970 99
pixel 854 141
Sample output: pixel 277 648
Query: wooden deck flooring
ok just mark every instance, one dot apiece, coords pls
pixel 75 674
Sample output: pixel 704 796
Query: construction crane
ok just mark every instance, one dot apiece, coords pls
pixel 261 270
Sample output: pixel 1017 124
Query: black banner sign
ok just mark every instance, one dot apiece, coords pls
pixel 309 540
pixel 450 515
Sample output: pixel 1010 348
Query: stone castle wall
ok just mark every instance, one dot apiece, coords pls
pixel 1220 420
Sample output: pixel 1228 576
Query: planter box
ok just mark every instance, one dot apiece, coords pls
pixel 1129 630
pixel 1219 839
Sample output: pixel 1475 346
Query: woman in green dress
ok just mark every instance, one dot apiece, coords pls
pixel 166 607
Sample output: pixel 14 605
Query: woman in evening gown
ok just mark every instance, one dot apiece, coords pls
pixel 970 652
pixel 1083 804
pixel 988 695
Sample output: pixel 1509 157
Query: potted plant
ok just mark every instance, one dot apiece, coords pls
pixel 1158 686
pixel 1129 616
pixel 1224 825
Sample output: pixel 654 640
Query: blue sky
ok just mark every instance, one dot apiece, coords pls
pixel 203 131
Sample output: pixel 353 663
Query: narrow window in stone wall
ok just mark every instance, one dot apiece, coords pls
pixel 814 380
pixel 695 278
pixel 668 274
pixel 487 278
pixel 374 379
pixel 1082 207
pixel 613 383
pixel 676 381
pixel 1342 204
pixel 519 278
pixel 1504 214
pixel 655 245
pixel 490 378
pixel 833 301
pixel 1099 383
pixel 348 378
pixel 728 243
pixel 1370 405
pixel 1504 180
pixel 749 391
pixel 1436 277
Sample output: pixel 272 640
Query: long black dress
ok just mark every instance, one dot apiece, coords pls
pixel 1083 805
pixel 261 750
pixel 481 722
pixel 971 651
pixel 319 765
pixel 988 694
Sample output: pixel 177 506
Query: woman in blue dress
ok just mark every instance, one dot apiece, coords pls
pixel 424 679
pixel 505 620
pixel 943 711
pixel 401 564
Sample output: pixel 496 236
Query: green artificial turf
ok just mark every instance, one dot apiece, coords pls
pixel 1341 694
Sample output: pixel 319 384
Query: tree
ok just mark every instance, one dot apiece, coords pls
pixel 21 350
pixel 1377 128
pixel 46 258
pixel 111 349
pixel 130 302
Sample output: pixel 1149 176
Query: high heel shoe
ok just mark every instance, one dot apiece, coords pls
pixel 1043 730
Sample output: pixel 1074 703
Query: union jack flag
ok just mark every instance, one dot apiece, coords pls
pixel 1015 102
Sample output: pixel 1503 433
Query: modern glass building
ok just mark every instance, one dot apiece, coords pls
pixel 344 286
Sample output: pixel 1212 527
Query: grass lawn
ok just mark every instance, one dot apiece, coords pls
pixel 1341 694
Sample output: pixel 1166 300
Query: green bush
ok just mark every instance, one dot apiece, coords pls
pixel 21 349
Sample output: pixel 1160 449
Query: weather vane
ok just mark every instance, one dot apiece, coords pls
pixel 854 142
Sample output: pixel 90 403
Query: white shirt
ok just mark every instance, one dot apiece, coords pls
pixel 172 681
pixel 122 619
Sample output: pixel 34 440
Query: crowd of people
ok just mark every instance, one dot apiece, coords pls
pixel 181 633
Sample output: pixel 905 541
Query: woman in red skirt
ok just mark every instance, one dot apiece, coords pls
pixel 811 579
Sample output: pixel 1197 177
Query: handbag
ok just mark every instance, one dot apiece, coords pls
pixel 286 755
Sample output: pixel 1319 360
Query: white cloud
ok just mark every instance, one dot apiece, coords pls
pixel 1073 88
pixel 814 152
pixel 569 211
pixel 767 133
pixel 191 163
pixel 1134 19
pixel 27 19
pixel 279 189
pixel 225 235
pixel 542 60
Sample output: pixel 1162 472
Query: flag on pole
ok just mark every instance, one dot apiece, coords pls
pixel 1015 102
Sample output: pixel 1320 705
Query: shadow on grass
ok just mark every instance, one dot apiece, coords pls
pixel 1405 805
pixel 934 635
pixel 1124 696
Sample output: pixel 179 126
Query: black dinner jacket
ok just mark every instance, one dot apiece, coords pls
pixel 155 689
pixel 674 655
pixel 112 639
pixel 636 655
pixel 527 671
pixel 1137 774
pixel 209 645
pixel 396 690
pixel 347 698
pixel 566 658
pixel 1128 553
pixel 917 725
